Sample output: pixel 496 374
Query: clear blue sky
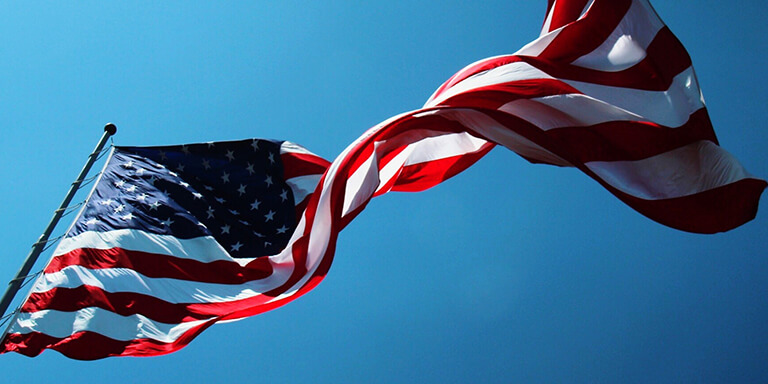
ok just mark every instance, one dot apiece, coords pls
pixel 510 272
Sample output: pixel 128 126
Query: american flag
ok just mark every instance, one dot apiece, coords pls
pixel 606 88
pixel 171 239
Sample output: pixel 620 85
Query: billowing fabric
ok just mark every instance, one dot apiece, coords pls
pixel 606 88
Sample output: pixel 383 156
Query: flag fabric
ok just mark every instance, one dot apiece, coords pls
pixel 170 240
pixel 606 88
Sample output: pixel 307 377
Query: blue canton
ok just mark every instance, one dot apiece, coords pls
pixel 233 191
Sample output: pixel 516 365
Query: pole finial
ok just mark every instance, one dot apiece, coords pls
pixel 111 128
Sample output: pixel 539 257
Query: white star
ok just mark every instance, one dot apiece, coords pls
pixel 284 195
pixel 197 195
pixel 210 144
pixel 180 168
pixel 236 247
pixel 258 234
pixel 225 177
pixel 255 205
pixel 206 164
pixel 210 212
pixel 225 229
pixel 220 200
pixel 92 221
pixel 234 212
pixel 119 184
pixel 282 229
pixel 271 158
pixel 268 181
pixel 269 216
pixel 167 222
pixel 267 244
pixel 140 171
pixel 208 188
pixel 152 180
pixel 250 169
pixel 183 184
pixel 127 217
pixel 172 173
pixel 230 155
pixel 141 197
pixel 129 164
pixel 255 145
pixel 163 156
pixel 154 205
pixel 241 190
pixel 132 188
pixel 106 202
pixel 119 208
pixel 244 222
pixel 185 149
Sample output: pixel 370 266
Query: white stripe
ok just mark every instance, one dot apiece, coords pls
pixel 548 20
pixel 361 184
pixel 126 280
pixel 627 44
pixel 572 110
pixel 502 74
pixel 320 231
pixel 536 47
pixel 443 147
pixel 291 147
pixel 123 328
pixel 684 171
pixel 363 181
pixel 204 249
pixel 421 146
pixel 433 145
pixel 497 132
pixel 458 74
pixel 394 166
pixel 670 108
pixel 302 186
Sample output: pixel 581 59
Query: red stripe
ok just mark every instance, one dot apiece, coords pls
pixel 301 164
pixel 164 266
pixel 129 303
pixel 496 95
pixel 586 34
pixel 98 346
pixel 629 140
pixel 546 15
pixel 122 303
pixel 565 12
pixel 715 210
pixel 471 70
pixel 419 177
pixel 665 58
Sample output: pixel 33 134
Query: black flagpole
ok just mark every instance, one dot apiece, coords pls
pixel 37 248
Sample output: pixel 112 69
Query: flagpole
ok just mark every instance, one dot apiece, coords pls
pixel 37 248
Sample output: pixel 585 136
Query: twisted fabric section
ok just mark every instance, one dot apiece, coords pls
pixel 606 88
